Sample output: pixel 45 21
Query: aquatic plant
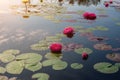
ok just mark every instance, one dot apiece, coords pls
pixel 56 47
pixel 41 76
pixel 15 67
pixel 53 56
pixel 102 46
pixel 113 57
pixel 84 56
pixel 89 16
pixel 76 66
pixel 2 70
pixel 106 68
pixel 69 31
pixel 11 51
pixel 5 58
pixel 82 50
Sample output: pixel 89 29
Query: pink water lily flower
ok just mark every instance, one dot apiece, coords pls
pixel 110 1
pixel 84 55
pixel 56 47
pixel 68 31
pixel 89 16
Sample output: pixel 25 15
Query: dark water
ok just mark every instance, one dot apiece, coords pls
pixel 13 25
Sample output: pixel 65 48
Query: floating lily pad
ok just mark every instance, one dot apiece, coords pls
pixel 53 38
pixel 13 78
pixel 50 62
pixel 15 67
pixel 41 76
pixel 7 58
pixel 105 67
pixel 30 57
pixel 53 56
pixel 60 65
pixel 11 51
pixel 2 70
pixel 114 57
pixel 102 46
pixel 76 66
pixel 39 47
pixel 81 50
pixel 33 67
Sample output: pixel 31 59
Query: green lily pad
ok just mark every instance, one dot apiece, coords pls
pixel 11 51
pixel 117 64
pixel 76 66
pixel 53 56
pixel 106 68
pixel 33 67
pixel 39 47
pixel 81 50
pixel 29 57
pixel 53 39
pixel 41 76
pixel 2 70
pixel 60 65
pixel 5 58
pixel 50 62
pixel 15 67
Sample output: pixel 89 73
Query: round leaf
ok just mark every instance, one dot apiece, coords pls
pixel 76 66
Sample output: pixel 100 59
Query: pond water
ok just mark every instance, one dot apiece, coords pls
pixel 45 21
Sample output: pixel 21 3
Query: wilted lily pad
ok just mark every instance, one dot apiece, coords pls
pixel 15 67
pixel 102 46
pixel 114 57
pixel 53 56
pixel 106 68
pixel 39 47
pixel 60 65
pixel 11 51
pixel 7 58
pixel 76 66
pixel 2 70
pixel 81 50
pixel 41 76
pixel 33 67
pixel 3 77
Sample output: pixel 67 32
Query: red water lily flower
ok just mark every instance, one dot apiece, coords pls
pixel 110 1
pixel 68 31
pixel 56 47
pixel 89 16
pixel 84 55
pixel 106 4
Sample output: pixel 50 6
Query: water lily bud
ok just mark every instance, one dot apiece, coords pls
pixel 110 1
pixel 84 55
pixel 68 31
pixel 86 15
pixel 56 47
pixel 106 4
pixel 92 16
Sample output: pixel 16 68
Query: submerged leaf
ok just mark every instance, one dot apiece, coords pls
pixel 41 76
pixel 15 67
pixel 106 68
pixel 76 66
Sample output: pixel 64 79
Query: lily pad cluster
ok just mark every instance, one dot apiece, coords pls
pixel 15 62
pixel 44 44
pixel 106 68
